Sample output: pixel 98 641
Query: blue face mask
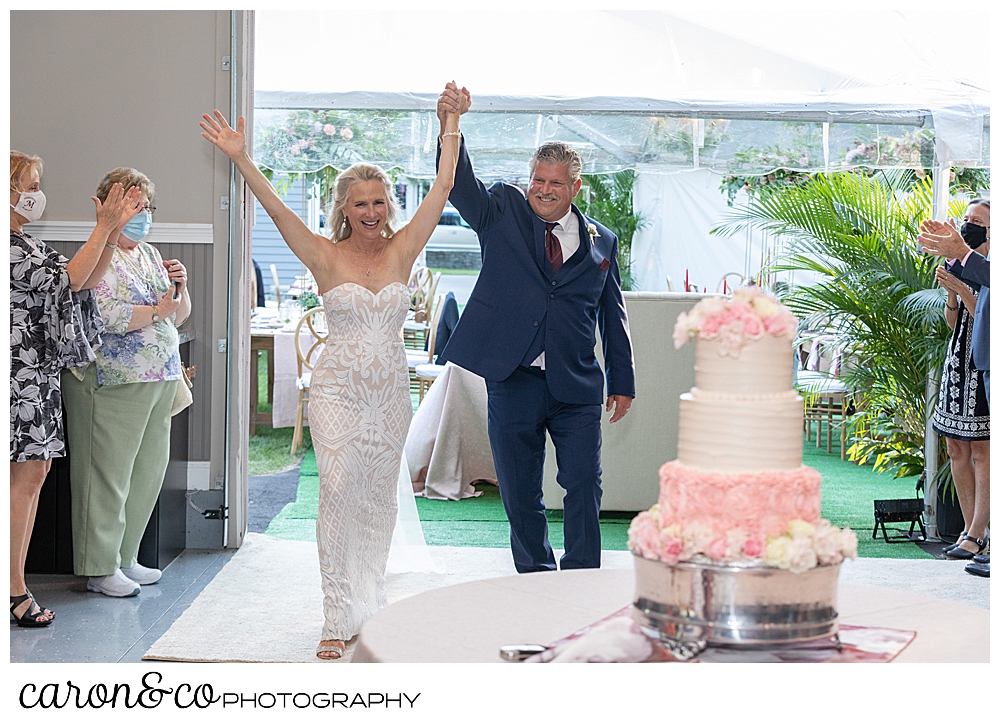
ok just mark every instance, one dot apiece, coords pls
pixel 138 227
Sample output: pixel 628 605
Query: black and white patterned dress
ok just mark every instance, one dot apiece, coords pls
pixel 51 328
pixel 962 411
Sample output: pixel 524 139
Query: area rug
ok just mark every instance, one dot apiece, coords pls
pixel 265 605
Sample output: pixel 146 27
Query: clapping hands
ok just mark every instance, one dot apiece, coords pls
pixel 942 239
pixel 119 207
pixel 949 281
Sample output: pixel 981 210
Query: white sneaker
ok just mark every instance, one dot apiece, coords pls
pixel 141 574
pixel 115 585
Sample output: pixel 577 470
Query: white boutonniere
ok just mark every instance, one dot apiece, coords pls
pixel 592 230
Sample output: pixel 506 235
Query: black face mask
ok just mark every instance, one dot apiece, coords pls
pixel 974 235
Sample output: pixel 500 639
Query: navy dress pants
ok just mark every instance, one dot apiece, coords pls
pixel 521 409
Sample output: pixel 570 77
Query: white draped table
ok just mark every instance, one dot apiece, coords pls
pixel 448 446
pixel 544 607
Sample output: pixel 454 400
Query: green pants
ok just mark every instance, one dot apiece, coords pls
pixel 119 446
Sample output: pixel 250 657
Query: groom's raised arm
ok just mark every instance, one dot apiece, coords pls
pixel 479 206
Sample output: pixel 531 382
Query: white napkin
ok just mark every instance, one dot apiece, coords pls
pixel 618 640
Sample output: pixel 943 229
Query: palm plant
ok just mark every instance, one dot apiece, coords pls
pixel 876 294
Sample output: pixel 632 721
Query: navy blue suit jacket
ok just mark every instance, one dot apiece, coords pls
pixel 518 296
pixel 977 269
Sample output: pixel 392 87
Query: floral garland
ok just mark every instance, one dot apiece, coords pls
pixel 801 547
pixel 748 315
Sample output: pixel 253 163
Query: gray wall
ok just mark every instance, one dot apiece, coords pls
pixel 93 90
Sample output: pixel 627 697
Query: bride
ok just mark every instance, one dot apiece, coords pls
pixel 359 397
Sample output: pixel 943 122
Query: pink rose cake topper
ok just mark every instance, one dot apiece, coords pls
pixel 748 315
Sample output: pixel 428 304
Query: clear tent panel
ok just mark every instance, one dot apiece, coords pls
pixel 304 140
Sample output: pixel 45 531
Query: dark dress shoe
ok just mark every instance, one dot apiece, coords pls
pixel 982 559
pixel 981 569
pixel 956 543
pixel 960 553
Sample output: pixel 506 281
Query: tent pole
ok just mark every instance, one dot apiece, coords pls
pixel 940 199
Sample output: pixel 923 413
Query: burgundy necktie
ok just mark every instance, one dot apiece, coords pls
pixel 553 249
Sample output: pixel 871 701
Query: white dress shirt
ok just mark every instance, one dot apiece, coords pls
pixel 567 232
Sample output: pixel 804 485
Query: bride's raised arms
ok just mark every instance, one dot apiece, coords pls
pixel 413 237
pixel 306 245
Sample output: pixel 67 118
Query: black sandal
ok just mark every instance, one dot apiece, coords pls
pixel 29 619
pixel 45 611
pixel 962 554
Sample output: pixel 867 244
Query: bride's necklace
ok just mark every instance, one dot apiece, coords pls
pixel 365 261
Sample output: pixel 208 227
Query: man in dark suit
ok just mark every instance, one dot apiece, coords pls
pixel 549 280
pixel 942 239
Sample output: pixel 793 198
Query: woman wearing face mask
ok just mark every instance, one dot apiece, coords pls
pixel 118 415
pixel 962 413
pixel 52 327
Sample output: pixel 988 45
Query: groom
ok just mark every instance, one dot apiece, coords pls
pixel 549 279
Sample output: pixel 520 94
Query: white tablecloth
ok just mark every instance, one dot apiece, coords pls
pixel 448 446
pixel 286 394
pixel 545 606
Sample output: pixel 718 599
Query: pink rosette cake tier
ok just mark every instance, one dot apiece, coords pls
pixel 756 503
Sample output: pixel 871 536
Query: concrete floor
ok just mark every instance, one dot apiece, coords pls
pixel 92 628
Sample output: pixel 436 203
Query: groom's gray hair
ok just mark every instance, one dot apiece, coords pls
pixel 557 152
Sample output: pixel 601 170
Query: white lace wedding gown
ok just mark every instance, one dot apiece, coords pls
pixel 359 413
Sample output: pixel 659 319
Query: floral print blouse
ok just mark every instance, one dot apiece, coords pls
pixel 51 328
pixel 149 354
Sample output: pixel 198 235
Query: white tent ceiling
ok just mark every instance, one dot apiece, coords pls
pixel 758 55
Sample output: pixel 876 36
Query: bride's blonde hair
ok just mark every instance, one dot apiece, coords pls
pixel 339 225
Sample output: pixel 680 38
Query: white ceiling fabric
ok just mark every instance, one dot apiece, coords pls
pixel 759 55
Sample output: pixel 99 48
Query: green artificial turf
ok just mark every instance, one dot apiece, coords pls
pixel 848 493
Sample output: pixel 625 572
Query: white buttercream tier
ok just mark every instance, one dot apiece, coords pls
pixel 764 366
pixel 727 433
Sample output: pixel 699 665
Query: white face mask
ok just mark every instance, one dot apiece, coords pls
pixel 31 205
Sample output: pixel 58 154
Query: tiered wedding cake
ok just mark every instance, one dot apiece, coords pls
pixel 738 492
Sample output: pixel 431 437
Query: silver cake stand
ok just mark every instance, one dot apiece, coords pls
pixel 690 605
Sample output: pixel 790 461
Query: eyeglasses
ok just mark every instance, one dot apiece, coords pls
pixel 148 207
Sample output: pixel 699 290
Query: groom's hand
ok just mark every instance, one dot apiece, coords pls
pixel 621 403
pixel 450 101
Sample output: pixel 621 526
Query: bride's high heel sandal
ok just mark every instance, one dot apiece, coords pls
pixel 330 649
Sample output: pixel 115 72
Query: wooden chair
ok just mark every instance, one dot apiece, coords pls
pixel 416 357
pixel 427 373
pixel 826 396
pixel 305 362
pixel 415 331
